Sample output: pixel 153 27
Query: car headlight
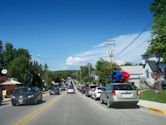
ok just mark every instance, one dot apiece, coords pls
pixel 13 97
pixel 30 96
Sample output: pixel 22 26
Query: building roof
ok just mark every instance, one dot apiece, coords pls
pixel 153 65
pixel 133 70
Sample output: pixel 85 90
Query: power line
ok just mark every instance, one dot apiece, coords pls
pixel 134 39
pixel 138 46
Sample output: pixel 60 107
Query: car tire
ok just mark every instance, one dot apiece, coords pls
pixel 108 103
pixel 101 101
pixel 0 102
pixel 13 104
pixel 35 102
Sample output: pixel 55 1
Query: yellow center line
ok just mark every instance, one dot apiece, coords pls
pixel 25 120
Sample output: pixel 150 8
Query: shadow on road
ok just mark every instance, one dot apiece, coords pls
pixel 41 102
pixel 126 107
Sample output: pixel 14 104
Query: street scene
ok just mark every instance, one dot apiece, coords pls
pixel 83 62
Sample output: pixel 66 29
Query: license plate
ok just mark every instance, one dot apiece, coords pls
pixel 126 95
pixel 20 101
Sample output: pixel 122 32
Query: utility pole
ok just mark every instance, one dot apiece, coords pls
pixel 110 51
pixel 80 74
pixel 89 69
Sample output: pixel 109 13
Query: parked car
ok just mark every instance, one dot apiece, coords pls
pixel 83 90
pixel 71 90
pixel 1 96
pixel 26 95
pixel 54 91
pixel 96 94
pixel 90 89
pixel 62 88
pixel 163 84
pixel 119 93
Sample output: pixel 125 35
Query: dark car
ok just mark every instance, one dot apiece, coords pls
pixel 54 91
pixel 26 95
pixel 1 96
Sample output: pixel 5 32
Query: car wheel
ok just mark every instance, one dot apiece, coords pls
pixel 35 102
pixel 101 101
pixel 13 104
pixel 108 103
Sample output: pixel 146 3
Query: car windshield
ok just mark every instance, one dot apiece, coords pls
pixel 56 88
pixel 71 87
pixel 25 90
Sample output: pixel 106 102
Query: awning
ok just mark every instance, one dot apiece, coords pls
pixel 11 82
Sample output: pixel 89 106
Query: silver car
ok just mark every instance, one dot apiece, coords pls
pixel 119 93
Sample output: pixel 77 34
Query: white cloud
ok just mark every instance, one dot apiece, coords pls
pixel 132 54
pixel 73 60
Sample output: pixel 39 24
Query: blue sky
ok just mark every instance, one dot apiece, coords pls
pixel 66 33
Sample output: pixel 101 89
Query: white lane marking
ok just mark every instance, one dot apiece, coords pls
pixel 98 105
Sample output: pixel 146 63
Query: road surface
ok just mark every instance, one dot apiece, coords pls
pixel 75 109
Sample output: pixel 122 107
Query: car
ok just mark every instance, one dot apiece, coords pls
pixel 54 91
pixel 96 94
pixel 71 90
pixel 26 95
pixel 90 89
pixel 1 96
pixel 163 84
pixel 62 88
pixel 119 93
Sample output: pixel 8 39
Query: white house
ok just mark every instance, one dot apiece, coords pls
pixel 136 72
pixel 152 63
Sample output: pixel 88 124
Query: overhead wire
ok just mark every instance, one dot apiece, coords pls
pixel 147 26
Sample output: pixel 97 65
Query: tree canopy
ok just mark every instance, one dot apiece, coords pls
pixel 104 70
pixel 157 43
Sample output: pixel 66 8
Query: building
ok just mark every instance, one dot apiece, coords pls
pixel 152 63
pixel 136 72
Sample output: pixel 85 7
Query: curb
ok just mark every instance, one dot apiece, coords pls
pixel 158 110
pixel 154 109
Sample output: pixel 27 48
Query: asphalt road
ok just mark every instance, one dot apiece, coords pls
pixel 76 109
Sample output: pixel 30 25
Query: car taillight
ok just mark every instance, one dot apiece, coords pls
pixel 113 93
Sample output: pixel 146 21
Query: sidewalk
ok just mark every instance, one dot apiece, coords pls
pixel 153 106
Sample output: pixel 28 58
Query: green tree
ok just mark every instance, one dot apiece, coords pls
pixel 157 43
pixel 1 55
pixel 18 70
pixel 23 52
pixel 104 70
pixel 85 72
pixel 128 64
pixel 10 53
